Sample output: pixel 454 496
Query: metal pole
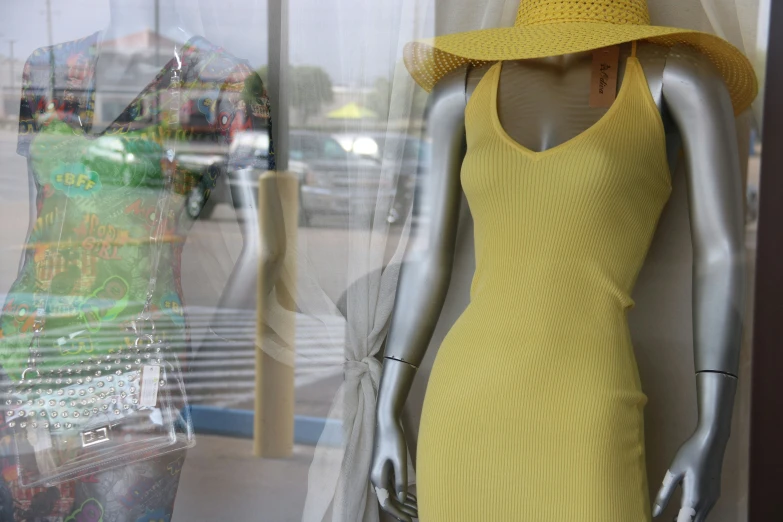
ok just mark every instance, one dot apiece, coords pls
pixel 50 38
pixel 278 68
pixel 157 56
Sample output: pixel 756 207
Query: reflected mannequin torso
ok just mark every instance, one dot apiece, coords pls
pixel 696 111
pixel 87 260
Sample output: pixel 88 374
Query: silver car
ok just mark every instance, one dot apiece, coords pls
pixel 334 179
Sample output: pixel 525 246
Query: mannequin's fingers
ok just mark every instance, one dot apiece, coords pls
pixel 690 499
pixel 412 504
pixel 396 510
pixel 401 480
pixel 670 483
pixel 410 509
pixel 413 510
pixel 686 514
pixel 412 497
pixel 384 497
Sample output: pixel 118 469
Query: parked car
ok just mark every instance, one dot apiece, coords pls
pixel 247 149
pixel 331 179
pixel 413 157
pixel 335 179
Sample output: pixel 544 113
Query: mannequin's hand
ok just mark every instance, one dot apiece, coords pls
pixel 389 474
pixel 697 466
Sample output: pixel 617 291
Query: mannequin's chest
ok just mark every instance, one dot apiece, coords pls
pixel 541 107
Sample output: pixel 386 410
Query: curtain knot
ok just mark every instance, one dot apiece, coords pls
pixel 356 370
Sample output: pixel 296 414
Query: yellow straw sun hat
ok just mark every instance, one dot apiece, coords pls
pixel 553 27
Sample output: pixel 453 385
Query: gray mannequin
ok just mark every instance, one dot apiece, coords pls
pixel 699 120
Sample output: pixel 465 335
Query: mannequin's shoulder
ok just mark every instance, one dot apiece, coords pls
pixel 461 81
pixel 474 76
pixel 64 56
pixel 450 93
pixel 679 70
pixel 687 68
pixel 693 89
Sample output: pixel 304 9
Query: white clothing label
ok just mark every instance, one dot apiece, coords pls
pixel 150 375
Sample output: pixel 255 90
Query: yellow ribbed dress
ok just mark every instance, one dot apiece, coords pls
pixel 534 409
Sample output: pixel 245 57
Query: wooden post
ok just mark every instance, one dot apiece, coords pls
pixel 273 423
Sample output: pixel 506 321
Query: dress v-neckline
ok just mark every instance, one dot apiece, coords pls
pixel 632 64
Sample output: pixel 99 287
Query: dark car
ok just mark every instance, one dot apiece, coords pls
pixel 210 162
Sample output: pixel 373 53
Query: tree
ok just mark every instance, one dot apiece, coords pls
pixel 310 88
pixel 379 100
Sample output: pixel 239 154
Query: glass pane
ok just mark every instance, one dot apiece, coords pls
pixel 258 197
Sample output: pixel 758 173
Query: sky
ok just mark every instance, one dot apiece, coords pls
pixel 355 41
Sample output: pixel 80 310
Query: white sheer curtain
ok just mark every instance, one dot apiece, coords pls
pixel 742 22
pixel 338 477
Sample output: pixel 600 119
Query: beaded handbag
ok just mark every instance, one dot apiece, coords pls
pixel 105 410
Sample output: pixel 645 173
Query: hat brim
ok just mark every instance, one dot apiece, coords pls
pixel 429 60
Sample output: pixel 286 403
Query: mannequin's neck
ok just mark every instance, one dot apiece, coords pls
pixel 131 16
pixel 565 61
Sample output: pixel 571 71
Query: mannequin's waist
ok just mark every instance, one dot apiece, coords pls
pixel 547 317
pixel 509 297
pixel 593 347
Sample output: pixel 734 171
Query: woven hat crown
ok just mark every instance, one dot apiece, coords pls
pixel 621 12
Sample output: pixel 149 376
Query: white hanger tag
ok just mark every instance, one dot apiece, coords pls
pixel 149 385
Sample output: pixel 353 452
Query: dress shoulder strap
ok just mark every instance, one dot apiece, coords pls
pixel 483 92
pixel 480 104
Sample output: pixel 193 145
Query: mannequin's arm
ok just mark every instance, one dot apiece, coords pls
pixel 422 288
pixel 266 247
pixel 699 103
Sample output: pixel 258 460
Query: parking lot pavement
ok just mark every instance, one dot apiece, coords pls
pixel 222 481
